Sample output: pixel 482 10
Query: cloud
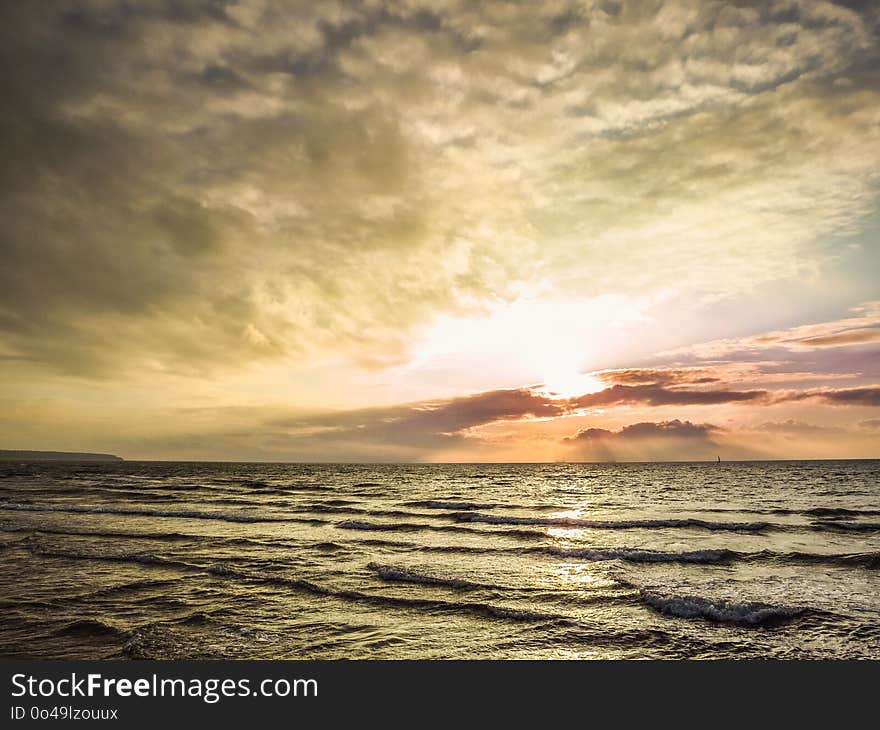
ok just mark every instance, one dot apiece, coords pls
pixel 648 430
pixel 862 328
pixel 428 425
pixel 654 395
pixel 657 395
pixel 797 363
pixel 870 423
pixel 797 428
pixel 725 374
pixel 647 441
pixel 853 337
pixel 203 188
pixel 432 426
pixel 442 424
pixel 658 376
pixel 867 396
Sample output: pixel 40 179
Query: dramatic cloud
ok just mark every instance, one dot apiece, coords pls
pixel 186 189
pixel 869 396
pixel 853 337
pixel 254 229
pixel 659 376
pixel 863 328
pixel 648 430
pixel 431 425
pixel 657 395
pixel 668 440
pixel 796 364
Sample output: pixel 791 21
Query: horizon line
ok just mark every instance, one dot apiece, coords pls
pixel 434 463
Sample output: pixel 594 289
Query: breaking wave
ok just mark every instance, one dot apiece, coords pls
pixel 720 611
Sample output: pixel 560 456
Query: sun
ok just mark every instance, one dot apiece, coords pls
pixel 567 382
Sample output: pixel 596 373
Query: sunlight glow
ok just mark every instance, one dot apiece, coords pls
pixel 546 341
pixel 567 382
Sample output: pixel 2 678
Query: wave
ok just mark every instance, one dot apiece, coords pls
pixel 611 524
pixel 166 536
pixel 130 587
pixel 636 555
pixel 380 526
pixel 429 549
pixel 333 509
pixel 183 514
pixel 258 483
pixel 486 609
pixel 142 558
pixel 397 574
pixel 328 547
pixel 283 488
pixel 829 513
pixel 720 556
pixel 326 508
pixel 233 486
pixel 268 542
pixel 835 526
pixel 869 560
pixel 720 611
pixel 417 526
pixel 394 573
pixel 746 614
pixel 441 504
pixel 106 492
pixel 861 560
pixel 839 512
pixel 302 585
pixel 254 483
pixel 52 604
pixel 88 627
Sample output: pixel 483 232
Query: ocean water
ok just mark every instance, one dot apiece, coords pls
pixel 501 561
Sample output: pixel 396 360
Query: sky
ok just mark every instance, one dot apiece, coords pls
pixel 437 230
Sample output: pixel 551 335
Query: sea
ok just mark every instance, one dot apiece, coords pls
pixel 163 560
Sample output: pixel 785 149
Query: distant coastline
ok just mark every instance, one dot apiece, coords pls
pixel 9 455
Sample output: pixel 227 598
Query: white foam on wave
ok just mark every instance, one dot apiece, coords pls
pixel 747 614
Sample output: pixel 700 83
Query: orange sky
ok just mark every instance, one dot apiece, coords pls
pixel 438 230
